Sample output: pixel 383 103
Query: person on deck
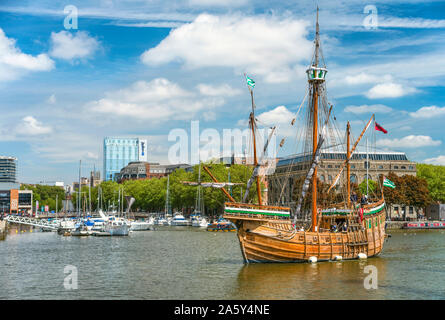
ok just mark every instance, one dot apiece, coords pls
pixel 363 200
pixel 353 197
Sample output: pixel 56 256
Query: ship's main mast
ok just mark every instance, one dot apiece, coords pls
pixel 316 78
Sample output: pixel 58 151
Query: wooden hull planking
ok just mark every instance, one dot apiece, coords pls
pixel 264 240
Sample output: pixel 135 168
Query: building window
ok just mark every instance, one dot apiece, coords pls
pixel 329 166
pixel 402 167
pixel 411 167
pixel 353 178
pixel 367 165
pixel 322 178
pixel 352 166
pixel 396 167
pixel 380 167
pixel 330 178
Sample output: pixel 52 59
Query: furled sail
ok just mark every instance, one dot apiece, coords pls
pixel 308 178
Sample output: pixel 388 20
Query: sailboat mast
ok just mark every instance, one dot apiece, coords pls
pixel 315 131
pixel 78 198
pixel 348 168
pixel 255 159
pixel 167 196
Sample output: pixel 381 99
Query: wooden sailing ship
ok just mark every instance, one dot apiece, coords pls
pixel 269 234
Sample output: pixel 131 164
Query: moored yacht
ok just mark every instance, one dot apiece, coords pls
pixel 199 221
pixel 179 220
pixel 141 225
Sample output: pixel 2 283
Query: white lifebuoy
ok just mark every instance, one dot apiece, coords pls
pixel 313 259
pixel 362 256
pixel 338 258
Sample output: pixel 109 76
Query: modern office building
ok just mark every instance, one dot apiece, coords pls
pixel 8 169
pixel 141 170
pixel 14 201
pixel 118 152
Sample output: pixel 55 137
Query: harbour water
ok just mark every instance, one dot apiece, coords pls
pixel 191 263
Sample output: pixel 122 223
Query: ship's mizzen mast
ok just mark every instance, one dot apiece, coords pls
pixel 350 152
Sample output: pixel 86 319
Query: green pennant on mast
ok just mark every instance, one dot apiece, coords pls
pixel 388 183
pixel 250 82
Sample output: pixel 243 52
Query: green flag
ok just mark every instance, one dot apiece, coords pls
pixel 250 82
pixel 388 183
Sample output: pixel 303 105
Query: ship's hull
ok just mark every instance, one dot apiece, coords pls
pixel 277 241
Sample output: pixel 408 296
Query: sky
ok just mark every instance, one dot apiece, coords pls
pixel 143 68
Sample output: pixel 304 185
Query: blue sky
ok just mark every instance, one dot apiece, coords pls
pixel 143 68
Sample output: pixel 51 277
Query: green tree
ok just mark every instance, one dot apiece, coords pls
pixel 46 195
pixel 435 177
pixel 372 187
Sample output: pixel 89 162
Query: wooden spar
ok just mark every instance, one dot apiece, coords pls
pixel 315 133
pixel 314 148
pixel 255 160
pixel 223 189
pixel 350 154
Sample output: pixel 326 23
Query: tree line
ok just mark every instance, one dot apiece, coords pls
pixel 150 195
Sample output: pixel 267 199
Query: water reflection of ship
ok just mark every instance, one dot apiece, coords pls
pixel 311 281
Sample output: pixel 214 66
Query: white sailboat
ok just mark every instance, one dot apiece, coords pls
pixel 115 226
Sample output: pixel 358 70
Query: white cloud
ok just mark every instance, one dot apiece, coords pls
pixel 364 78
pixel 389 90
pixel 411 141
pixel 158 100
pixel 428 112
pixel 440 160
pixel 262 45
pixel 218 90
pixel 69 46
pixel 31 127
pixel 279 115
pixel 375 108
pixel 13 62
pixel 91 155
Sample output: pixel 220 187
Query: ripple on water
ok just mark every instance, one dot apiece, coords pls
pixel 190 263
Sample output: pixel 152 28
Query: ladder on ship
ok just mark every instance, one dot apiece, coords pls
pixel 357 240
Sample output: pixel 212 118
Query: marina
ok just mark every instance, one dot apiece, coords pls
pixel 254 151
pixel 190 263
